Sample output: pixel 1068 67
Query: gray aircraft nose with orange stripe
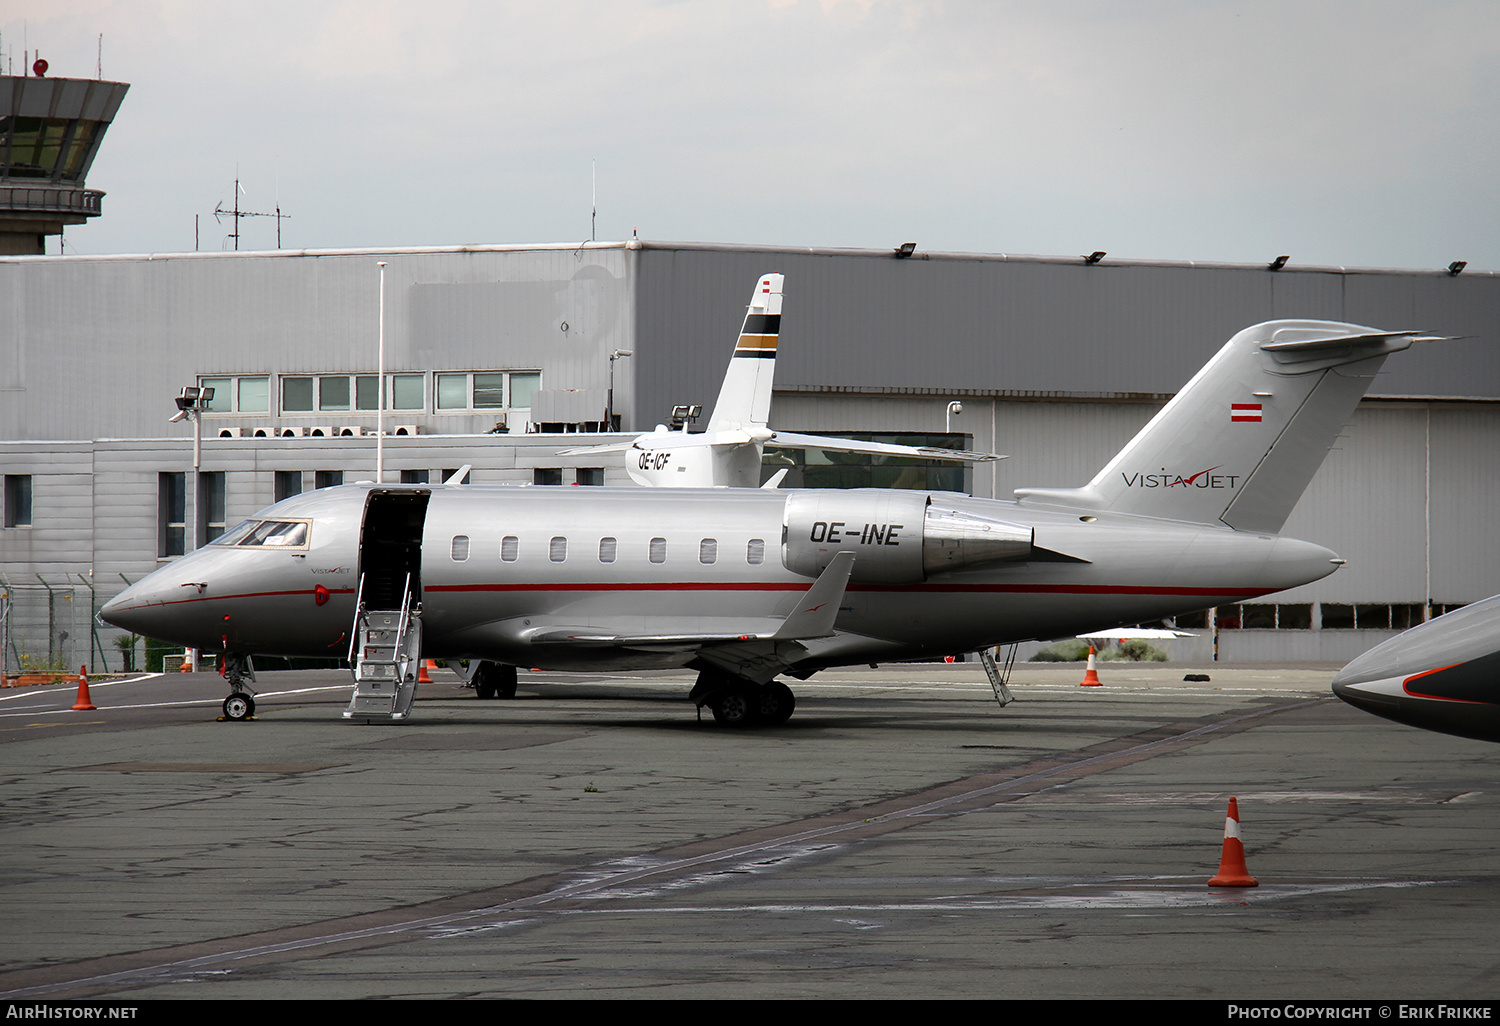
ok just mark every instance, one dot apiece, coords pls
pixel 1443 675
pixel 745 585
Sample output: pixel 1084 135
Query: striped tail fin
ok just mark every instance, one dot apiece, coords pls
pixel 745 398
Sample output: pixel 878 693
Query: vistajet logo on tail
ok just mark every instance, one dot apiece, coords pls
pixel 1166 479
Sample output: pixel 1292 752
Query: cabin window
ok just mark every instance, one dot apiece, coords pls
pixel 708 550
pixel 607 549
pixel 755 552
pixel 658 550
pixel 510 547
pixel 557 551
pixel 460 549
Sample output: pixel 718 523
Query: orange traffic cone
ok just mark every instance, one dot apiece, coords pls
pixel 1232 869
pixel 83 702
pixel 422 675
pixel 1090 675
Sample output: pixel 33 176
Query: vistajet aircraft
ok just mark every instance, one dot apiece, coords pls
pixel 728 454
pixel 745 584
pixel 1443 675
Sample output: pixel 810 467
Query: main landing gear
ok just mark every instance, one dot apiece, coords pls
pixel 737 702
pixel 240 705
pixel 494 680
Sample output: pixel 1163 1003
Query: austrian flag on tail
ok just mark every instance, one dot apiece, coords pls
pixel 1248 413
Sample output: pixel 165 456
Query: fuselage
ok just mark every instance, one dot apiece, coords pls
pixel 499 565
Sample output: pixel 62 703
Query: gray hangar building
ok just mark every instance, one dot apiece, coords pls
pixel 496 357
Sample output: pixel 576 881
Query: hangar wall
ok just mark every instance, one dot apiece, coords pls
pixel 1056 363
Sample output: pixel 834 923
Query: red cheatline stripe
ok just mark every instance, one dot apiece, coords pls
pixel 1020 589
pixel 699 586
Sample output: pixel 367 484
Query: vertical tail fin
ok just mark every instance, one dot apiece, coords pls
pixel 745 398
pixel 1242 440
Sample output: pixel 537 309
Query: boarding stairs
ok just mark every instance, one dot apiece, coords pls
pixel 999 678
pixel 385 653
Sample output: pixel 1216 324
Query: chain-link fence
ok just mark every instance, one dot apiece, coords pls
pixel 50 628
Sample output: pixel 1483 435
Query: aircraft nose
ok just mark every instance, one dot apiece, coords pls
pixel 135 609
pixel 154 607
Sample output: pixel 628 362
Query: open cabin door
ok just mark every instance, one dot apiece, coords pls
pixel 387 635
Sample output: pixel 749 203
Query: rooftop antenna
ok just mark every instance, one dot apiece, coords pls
pixel 236 213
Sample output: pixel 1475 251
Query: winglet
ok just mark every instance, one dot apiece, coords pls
pixel 819 608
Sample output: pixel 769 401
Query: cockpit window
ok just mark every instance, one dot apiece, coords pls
pixel 233 537
pixel 280 534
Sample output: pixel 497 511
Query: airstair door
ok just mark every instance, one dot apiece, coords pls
pixel 386 645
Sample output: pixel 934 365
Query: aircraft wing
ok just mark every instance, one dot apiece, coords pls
pixel 788 440
pixel 1144 633
pixel 590 450
pixel 813 617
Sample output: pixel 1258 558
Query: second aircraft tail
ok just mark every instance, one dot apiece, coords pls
pixel 1242 440
pixel 745 397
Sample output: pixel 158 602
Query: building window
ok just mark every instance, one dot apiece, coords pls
pixel 17 500
pixel 327 478
pixel 408 392
pixel 171 514
pixel 486 390
pixel 328 393
pixel 248 394
pixel 413 477
pixel 208 516
pixel 591 475
pixel 288 483
pixel 546 475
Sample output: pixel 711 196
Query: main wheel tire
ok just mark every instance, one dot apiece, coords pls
pixel 239 706
pixel 776 703
pixel 492 680
pixel 734 707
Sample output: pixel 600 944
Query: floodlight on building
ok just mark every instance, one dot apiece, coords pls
pixel 609 400
pixel 1094 257
pixel 1457 266
pixel 955 407
pixel 1278 263
pixel 905 250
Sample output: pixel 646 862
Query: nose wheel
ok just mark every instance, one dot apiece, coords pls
pixel 239 706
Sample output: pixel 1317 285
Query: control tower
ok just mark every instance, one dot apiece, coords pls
pixel 50 130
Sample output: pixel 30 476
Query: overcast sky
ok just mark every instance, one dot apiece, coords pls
pixel 1353 132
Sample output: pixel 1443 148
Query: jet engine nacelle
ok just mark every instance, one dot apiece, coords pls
pixel 897 537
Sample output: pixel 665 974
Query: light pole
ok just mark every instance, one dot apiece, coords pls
pixel 380 388
pixel 191 402
pixel 609 403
